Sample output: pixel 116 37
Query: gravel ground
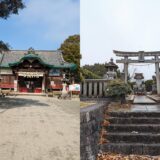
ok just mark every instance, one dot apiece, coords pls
pixel 39 128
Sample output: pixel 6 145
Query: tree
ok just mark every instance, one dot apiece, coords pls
pixel 8 7
pixel 4 46
pixel 97 68
pixel 148 85
pixel 71 53
pixel 88 74
pixel 118 89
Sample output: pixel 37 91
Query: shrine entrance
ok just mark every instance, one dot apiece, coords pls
pixel 153 57
pixel 30 85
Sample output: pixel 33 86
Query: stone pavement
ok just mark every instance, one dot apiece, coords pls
pixel 143 100
pixel 39 128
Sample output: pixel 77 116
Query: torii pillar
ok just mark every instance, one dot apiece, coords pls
pixel 157 74
pixel 126 70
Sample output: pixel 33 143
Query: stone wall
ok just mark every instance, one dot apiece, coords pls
pixel 91 118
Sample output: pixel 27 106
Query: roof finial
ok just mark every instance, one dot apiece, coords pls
pixel 111 59
pixel 31 50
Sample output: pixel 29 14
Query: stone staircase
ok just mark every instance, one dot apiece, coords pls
pixel 133 133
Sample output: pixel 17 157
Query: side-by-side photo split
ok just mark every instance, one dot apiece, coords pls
pixel 79 80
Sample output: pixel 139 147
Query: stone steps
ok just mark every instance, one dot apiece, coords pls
pixel 153 128
pixel 134 114
pixel 133 133
pixel 134 137
pixel 132 148
pixel 134 120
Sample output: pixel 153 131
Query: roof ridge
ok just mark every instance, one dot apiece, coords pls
pixel 35 50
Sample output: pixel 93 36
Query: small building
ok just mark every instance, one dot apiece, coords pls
pixel 34 71
pixel 111 70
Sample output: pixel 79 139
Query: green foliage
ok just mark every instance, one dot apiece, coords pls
pixel 98 69
pixel 8 7
pixel 131 84
pixel 4 46
pixel 118 74
pixel 148 85
pixel 71 53
pixel 88 74
pixel 117 88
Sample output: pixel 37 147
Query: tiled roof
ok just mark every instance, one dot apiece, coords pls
pixel 111 64
pixel 52 58
pixel 138 76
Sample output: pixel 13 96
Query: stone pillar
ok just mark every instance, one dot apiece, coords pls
pixel 126 70
pixel 84 89
pixel 100 89
pixel 64 91
pixel 104 87
pixel 157 75
pixel 90 89
pixel 95 89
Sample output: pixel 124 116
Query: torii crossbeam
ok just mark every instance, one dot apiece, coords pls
pixel 141 59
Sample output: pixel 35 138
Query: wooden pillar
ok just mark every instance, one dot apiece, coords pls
pixel 126 70
pixel 157 74
pixel 16 83
pixel 43 83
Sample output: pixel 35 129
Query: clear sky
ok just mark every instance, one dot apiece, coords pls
pixel 127 25
pixel 43 24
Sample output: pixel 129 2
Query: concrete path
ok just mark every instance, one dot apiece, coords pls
pixel 39 128
pixel 143 100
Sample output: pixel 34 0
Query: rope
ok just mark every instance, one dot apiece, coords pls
pixel 141 64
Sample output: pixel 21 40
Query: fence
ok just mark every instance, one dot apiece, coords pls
pixel 93 87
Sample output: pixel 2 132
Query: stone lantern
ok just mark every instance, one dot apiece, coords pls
pixel 111 70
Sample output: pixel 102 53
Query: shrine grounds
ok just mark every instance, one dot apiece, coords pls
pixel 39 128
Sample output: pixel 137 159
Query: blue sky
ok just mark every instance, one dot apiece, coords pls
pixel 127 25
pixel 43 24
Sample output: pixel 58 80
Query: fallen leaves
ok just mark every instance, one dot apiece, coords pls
pixel 109 156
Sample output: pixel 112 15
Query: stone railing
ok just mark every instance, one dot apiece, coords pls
pixel 93 87
pixel 91 118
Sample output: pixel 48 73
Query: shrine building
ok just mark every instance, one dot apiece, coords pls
pixel 34 71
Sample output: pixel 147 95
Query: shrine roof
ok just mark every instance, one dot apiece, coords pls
pixel 138 76
pixel 53 59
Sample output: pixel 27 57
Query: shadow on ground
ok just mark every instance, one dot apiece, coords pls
pixel 11 102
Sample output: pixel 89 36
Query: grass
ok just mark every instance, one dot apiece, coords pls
pixel 85 104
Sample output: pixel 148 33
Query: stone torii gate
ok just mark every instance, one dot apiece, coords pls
pixel 141 59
